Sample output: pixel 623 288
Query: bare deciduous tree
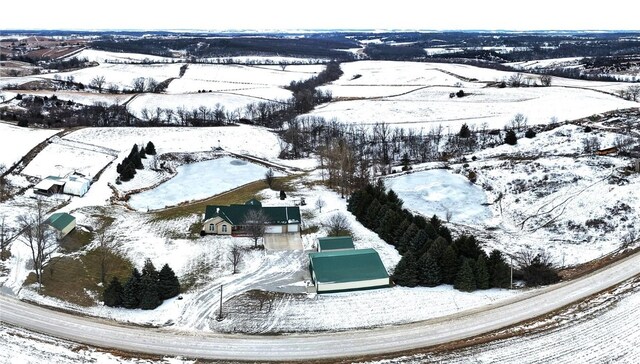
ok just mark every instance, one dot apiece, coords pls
pixel 591 144
pixel 633 92
pixel 255 223
pixel 515 80
pixel 545 80
pixel 269 177
pixel 37 236
pixel 235 257
pixel 337 225
pixel 519 122
pixel 320 204
pixel 139 84
pixel 97 83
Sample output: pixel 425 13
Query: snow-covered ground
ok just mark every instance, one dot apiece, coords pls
pixel 552 199
pixel 94 55
pixel 416 95
pixel 577 208
pixel 17 141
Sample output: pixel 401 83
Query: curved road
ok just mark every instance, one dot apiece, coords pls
pixel 165 341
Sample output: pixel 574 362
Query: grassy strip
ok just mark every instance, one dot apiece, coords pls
pixel 76 279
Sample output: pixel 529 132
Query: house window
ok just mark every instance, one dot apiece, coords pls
pixel 224 228
pixel 212 227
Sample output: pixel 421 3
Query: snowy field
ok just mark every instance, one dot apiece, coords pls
pixel 199 180
pixel 94 55
pixel 439 192
pixel 121 74
pixel 416 95
pixel 60 160
pixel 17 141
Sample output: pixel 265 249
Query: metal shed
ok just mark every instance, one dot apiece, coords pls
pixel 62 222
pixel 333 243
pixel 347 270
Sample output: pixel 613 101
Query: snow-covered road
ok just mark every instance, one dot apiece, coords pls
pixel 167 341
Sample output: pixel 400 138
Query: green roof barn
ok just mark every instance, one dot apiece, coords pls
pixel 335 243
pixel 347 270
pixel 62 222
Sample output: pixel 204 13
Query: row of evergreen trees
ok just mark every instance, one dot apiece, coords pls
pixel 145 291
pixel 127 168
pixel 430 256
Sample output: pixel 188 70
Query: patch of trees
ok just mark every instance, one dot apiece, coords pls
pixel 430 255
pixel 314 46
pixel 127 168
pixel 66 64
pixel 144 290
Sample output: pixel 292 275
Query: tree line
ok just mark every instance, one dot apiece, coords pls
pixel 430 255
pixel 144 290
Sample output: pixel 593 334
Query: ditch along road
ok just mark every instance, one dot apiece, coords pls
pixel 341 345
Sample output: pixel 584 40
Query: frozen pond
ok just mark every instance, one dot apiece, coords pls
pixel 438 191
pixel 197 181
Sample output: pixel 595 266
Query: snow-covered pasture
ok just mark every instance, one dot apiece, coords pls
pixel 61 160
pixel 94 55
pixel 17 141
pixel 241 139
pixel 121 75
pixel 429 107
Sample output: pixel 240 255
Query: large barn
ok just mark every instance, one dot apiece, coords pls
pixel 225 220
pixel 347 270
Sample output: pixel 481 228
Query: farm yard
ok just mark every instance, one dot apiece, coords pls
pixel 545 193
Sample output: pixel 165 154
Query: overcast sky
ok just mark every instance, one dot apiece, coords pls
pixel 322 14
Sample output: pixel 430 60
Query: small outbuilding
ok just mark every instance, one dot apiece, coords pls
pixel 347 270
pixel 62 223
pixel 49 186
pixel 334 243
pixel 76 185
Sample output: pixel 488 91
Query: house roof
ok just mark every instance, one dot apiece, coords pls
pixel 59 220
pixel 235 214
pixel 335 242
pixel 347 266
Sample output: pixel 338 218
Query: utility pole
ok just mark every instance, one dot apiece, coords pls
pixel 220 318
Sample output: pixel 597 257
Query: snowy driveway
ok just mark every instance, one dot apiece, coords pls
pixel 276 242
pixel 169 341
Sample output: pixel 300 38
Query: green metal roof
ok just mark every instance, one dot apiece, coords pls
pixel 335 242
pixel 60 220
pixel 234 214
pixel 347 266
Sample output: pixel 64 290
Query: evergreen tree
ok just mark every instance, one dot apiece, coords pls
pixel 428 271
pixel 168 284
pixel 112 295
pixel 404 243
pixel 464 131
pixel 393 200
pixel 499 270
pixel 482 274
pixel 511 138
pixel 530 133
pixel 465 280
pixel 149 270
pixel 435 222
pixel 283 195
pixel 468 247
pixel 131 291
pixel 449 265
pixel 419 243
pixel 142 154
pixel 150 149
pixel 405 273
pixel 149 294
pixel 405 162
